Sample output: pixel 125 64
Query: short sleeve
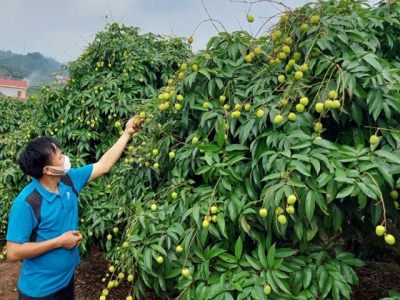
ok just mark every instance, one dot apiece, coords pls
pixel 80 176
pixel 21 222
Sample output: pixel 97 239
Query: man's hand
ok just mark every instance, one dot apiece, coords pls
pixel 108 160
pixel 70 239
pixel 133 125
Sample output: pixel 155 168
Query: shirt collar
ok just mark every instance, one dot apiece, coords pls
pixel 47 195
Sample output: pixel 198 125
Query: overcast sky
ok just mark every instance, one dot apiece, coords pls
pixel 63 28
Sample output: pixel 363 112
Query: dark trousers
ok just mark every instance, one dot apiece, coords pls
pixel 66 293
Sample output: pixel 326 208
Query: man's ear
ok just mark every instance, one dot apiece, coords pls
pixel 45 170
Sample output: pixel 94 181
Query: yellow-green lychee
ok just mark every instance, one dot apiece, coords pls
pixel 260 113
pixel 291 199
pixel 282 219
pixel 250 18
pixel 278 119
pixel 394 194
pixel 373 139
pixel 389 239
pixel 319 107
pixel 380 230
pixel 263 212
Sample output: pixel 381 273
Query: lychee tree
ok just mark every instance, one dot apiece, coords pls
pixel 255 154
pixel 275 132
pixel 18 121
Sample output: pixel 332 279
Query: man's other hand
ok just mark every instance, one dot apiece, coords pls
pixel 70 239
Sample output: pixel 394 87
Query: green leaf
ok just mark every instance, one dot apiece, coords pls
pixel 337 276
pixel 253 262
pixel 322 67
pixel 196 211
pixel 346 271
pixel 307 276
pixel 309 206
pixel 173 273
pixel 320 257
pixel 283 285
pixel 221 134
pixel 345 192
pixel 342 287
pixel 320 200
pixel 250 190
pixel 261 256
pixel 209 147
pixel 336 217
pixel 226 184
pixel 159 249
pixel 238 248
pixel 221 224
pixel 227 257
pixel 271 256
pixel 245 130
pixel 190 79
pixel 372 60
pixel 205 73
pixel 325 144
pixel 354 262
pixel 284 252
pixel 202 170
pixel 299 166
pixel 388 156
pixel 236 147
pixel 244 224
pixel 367 191
pixel 362 200
pixel 325 284
pixel 324 178
pixel 148 259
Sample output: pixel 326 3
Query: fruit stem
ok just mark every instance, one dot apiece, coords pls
pixel 381 200
pixel 380 128
pixel 294 190
pixel 266 193
pixel 187 252
pixel 209 19
pixel 213 194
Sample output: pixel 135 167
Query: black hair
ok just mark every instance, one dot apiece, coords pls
pixel 36 155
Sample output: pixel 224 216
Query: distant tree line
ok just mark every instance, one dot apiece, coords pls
pixel 13 72
pixel 32 67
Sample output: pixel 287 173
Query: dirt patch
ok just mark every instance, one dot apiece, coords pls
pixel 89 285
pixel 374 284
pixel 9 274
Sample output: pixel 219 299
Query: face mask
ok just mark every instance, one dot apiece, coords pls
pixel 65 167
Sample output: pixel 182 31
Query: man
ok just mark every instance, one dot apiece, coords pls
pixel 43 221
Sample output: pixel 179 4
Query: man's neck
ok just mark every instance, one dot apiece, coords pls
pixel 50 183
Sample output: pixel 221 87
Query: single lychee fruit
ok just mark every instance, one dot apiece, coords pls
pixel 291 199
pixel 380 230
pixel 389 239
pixel 319 107
pixel 373 139
pixel 263 212
pixel 278 119
pixel 282 219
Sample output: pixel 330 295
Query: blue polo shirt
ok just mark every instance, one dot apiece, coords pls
pixel 47 273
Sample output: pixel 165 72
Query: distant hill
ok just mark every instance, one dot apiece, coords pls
pixel 32 67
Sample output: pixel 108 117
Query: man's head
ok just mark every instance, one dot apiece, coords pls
pixel 39 154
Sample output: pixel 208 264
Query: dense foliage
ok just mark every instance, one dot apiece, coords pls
pixel 254 155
